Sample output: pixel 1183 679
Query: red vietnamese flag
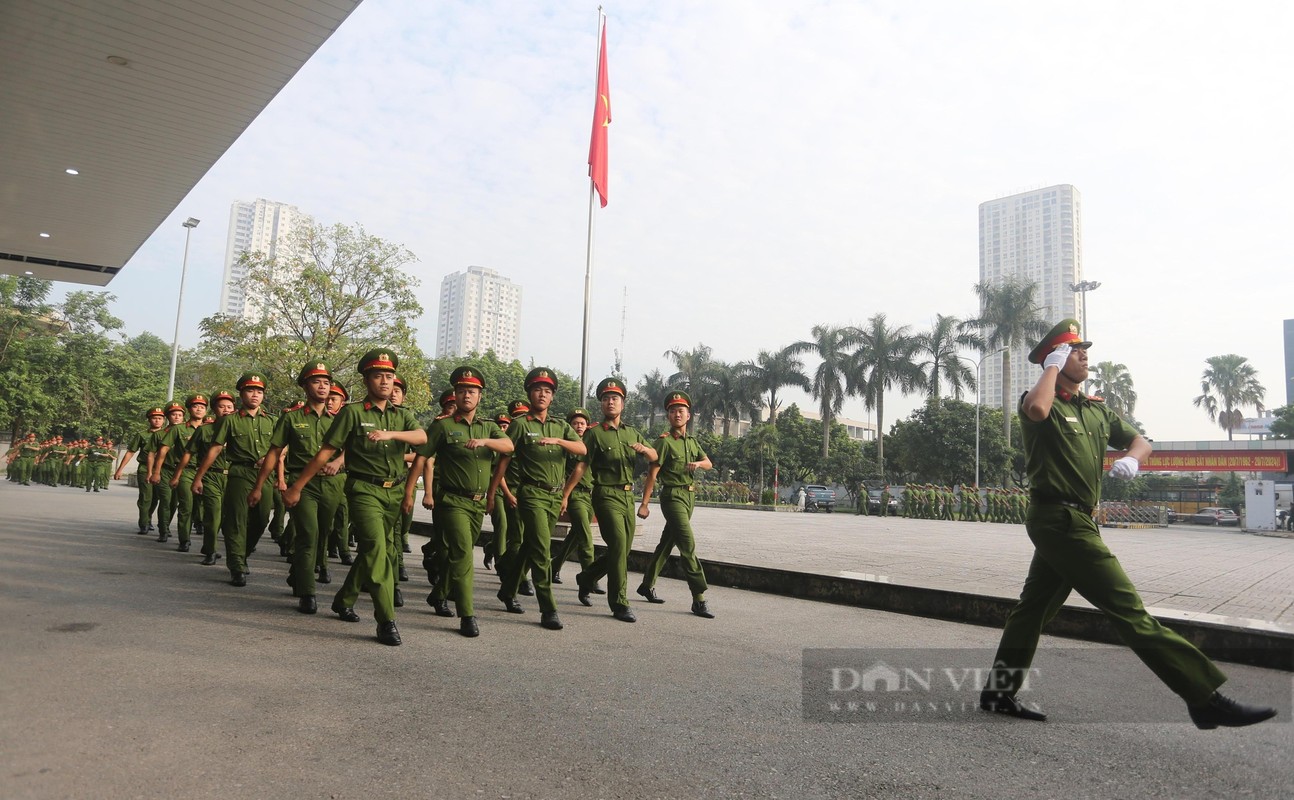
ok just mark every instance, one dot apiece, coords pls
pixel 601 119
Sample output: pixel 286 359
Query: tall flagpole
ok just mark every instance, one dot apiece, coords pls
pixel 588 257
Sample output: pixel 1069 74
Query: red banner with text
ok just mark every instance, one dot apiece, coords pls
pixel 1211 461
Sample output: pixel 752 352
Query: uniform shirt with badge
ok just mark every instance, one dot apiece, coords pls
pixel 245 436
pixel 200 443
pixel 177 438
pixel 673 454
pixel 1065 452
pixel 302 432
pixel 459 468
pixel 535 463
pixel 611 454
pixel 368 459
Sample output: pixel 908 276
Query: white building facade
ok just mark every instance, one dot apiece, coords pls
pixel 480 310
pixel 261 226
pixel 1034 236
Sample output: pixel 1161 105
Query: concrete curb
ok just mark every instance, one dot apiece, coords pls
pixel 1238 644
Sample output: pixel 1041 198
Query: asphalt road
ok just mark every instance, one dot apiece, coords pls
pixel 132 671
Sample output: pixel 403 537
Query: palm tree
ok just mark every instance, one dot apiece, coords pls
pixel 885 360
pixel 946 336
pixel 734 397
pixel 833 345
pixel 650 391
pixel 1009 315
pixel 770 372
pixel 693 373
pixel 1113 383
pixel 1229 382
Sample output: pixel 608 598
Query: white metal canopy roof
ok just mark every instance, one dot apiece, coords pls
pixel 141 97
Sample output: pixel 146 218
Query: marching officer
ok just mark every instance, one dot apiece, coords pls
pixel 612 449
pixel 456 465
pixel 169 472
pixel 212 496
pixel 577 505
pixel 678 457
pixel 1064 435
pixel 142 443
pixel 374 436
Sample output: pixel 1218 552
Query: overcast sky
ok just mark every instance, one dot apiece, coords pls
pixel 776 165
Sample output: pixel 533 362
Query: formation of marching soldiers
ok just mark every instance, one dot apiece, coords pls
pixel 78 463
pixel 928 501
pixel 348 474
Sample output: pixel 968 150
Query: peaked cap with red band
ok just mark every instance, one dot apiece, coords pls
pixel 467 376
pixel 541 376
pixel 250 380
pixel 313 369
pixel 1065 332
pixel 517 407
pixel 678 397
pixel 378 359
pixel 222 395
pixel 612 385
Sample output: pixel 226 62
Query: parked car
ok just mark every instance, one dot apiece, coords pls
pixel 1172 515
pixel 1214 516
pixel 819 498
pixel 874 504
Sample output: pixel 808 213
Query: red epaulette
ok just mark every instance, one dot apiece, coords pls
pixel 1093 398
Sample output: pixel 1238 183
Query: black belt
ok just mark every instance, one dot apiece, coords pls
pixel 623 487
pixel 1055 501
pixel 242 464
pixel 385 483
pixel 470 495
pixel 538 485
pixel 687 487
pixel 584 489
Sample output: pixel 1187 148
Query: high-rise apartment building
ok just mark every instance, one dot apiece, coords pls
pixel 263 226
pixel 480 310
pixel 1035 236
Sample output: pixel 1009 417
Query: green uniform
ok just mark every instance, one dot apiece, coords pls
pixel 168 499
pixel 1064 455
pixel 541 477
pixel 462 476
pixel 677 497
pixel 611 460
pixel 302 432
pixel 246 440
pixel 213 485
pixel 27 461
pixel 375 473
pixel 579 510
pixel 141 444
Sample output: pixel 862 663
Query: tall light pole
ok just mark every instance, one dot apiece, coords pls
pixel 189 225
pixel 979 380
pixel 1083 287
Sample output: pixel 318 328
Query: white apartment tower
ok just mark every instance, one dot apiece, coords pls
pixel 1035 236
pixel 480 310
pixel 262 226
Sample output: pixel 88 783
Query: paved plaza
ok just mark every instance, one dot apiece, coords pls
pixel 132 671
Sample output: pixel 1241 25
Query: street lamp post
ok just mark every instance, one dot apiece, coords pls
pixel 189 225
pixel 1083 287
pixel 979 380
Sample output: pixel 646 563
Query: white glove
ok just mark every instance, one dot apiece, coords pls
pixel 1057 358
pixel 1125 469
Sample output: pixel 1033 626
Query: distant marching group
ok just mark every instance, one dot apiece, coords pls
pixel 927 501
pixel 328 473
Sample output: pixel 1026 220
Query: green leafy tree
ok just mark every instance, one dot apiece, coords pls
pixel 1283 424
pixel 798 453
pixel 885 360
pixel 1229 383
pixel 834 346
pixel 330 293
pixel 1009 316
pixel 939 347
pixel 936 443
pixel 693 372
pixel 648 393
pixel 735 398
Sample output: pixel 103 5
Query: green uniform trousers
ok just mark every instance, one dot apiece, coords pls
pixel 615 510
pixel 537 509
pixel 243 525
pixel 510 549
pixel 145 500
pixel 311 524
pixel 166 498
pixel 458 521
pixel 213 500
pixel 25 466
pixel 676 506
pixel 579 537
pixel 1069 554
pixel 499 523
pixel 374 515
pixel 340 538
